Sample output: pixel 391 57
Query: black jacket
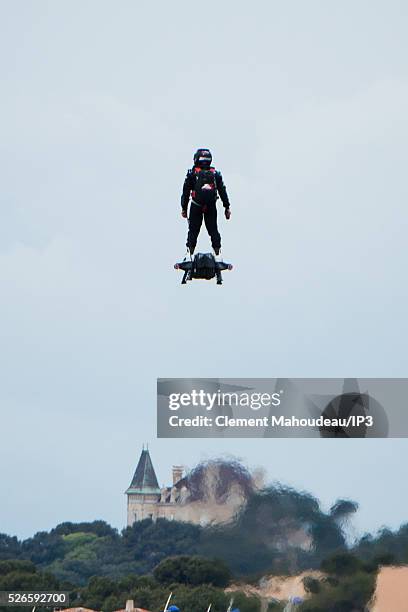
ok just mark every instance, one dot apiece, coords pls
pixel 189 185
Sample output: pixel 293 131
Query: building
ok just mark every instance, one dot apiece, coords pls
pixel 145 499
pixel 214 492
pixel 130 607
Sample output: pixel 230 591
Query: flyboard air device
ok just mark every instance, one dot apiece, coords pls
pixel 203 266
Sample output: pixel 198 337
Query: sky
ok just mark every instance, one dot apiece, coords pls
pixel 102 105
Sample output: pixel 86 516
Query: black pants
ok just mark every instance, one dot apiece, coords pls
pixel 194 225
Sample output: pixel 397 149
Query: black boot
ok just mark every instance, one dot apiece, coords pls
pixel 189 254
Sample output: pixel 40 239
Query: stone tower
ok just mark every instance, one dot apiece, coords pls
pixel 143 493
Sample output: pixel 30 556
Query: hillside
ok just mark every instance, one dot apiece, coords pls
pixel 278 530
pixel 281 544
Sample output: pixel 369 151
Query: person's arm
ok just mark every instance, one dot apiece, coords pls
pixel 222 191
pixel 185 196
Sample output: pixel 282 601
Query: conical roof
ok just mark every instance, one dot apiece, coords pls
pixel 144 479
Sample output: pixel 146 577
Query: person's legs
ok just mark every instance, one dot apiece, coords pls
pixel 194 225
pixel 210 220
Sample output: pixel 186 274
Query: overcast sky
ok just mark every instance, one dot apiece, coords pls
pixel 102 104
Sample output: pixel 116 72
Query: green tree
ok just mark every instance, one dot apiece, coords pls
pixel 192 570
pixel 341 564
pixel 312 585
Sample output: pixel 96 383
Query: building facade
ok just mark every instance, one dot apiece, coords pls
pixel 145 499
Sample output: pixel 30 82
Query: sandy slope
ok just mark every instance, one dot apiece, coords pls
pixel 391 594
pixel 277 587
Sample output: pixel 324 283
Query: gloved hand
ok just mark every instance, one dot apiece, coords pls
pixel 184 214
pixel 227 213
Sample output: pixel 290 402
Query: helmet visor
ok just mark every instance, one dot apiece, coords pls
pixel 203 157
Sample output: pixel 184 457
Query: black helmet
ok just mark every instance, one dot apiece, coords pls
pixel 202 157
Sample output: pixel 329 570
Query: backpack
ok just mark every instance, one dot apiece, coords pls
pixel 204 266
pixel 205 190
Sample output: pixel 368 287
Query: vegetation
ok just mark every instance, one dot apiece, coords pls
pixel 280 531
pixel 193 586
pixel 348 586
pixel 193 571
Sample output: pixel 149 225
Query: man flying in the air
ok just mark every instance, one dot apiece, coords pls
pixel 204 183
